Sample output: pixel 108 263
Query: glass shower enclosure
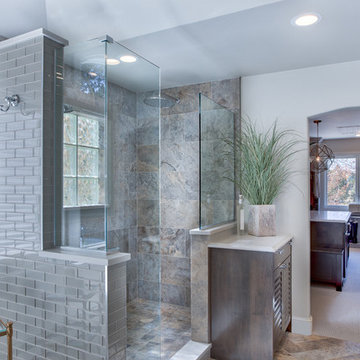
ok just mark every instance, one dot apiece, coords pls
pixel 217 163
pixel 107 186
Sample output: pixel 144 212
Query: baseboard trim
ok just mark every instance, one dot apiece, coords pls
pixel 193 350
pixel 301 325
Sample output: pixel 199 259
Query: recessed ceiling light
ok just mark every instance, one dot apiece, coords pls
pixel 112 61
pixel 128 58
pixel 306 19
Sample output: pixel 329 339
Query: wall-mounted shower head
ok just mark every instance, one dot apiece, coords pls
pixel 164 101
pixel 68 108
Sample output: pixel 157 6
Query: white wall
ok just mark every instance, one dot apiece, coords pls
pixel 291 97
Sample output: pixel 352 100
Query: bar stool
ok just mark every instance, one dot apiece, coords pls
pixel 7 330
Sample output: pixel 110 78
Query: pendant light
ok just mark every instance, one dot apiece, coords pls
pixel 321 156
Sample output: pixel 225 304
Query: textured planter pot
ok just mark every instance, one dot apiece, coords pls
pixel 262 221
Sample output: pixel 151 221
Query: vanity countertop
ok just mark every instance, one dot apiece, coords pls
pixel 330 216
pixel 251 243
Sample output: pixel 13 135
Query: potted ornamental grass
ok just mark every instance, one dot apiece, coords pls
pixel 263 160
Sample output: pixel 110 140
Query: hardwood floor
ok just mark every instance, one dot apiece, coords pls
pixel 314 347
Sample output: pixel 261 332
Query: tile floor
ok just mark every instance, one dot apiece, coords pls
pixel 150 334
pixel 299 347
pixel 148 337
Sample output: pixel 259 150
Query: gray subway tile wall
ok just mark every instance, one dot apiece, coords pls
pixel 20 139
pixel 59 308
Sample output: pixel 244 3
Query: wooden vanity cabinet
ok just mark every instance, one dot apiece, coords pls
pixel 250 302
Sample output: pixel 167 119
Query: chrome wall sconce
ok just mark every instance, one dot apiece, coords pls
pixel 14 101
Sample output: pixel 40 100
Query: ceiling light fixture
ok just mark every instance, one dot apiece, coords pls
pixel 306 19
pixel 321 156
pixel 112 61
pixel 128 59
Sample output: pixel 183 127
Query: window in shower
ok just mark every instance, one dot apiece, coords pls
pixel 82 157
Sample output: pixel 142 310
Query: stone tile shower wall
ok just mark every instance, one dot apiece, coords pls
pixel 122 214
pixel 180 180
pixel 147 183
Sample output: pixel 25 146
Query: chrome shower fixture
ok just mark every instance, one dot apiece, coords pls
pixel 13 101
pixel 164 101
pixel 68 109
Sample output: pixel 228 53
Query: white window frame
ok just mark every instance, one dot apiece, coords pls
pixel 323 180
pixel 76 177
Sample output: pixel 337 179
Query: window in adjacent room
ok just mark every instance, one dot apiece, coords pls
pixel 82 159
pixel 341 182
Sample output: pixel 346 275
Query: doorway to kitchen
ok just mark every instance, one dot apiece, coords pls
pixel 334 141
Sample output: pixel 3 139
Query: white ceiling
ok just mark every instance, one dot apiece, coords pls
pixel 200 40
pixel 337 124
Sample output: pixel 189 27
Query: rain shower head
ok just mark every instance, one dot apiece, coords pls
pixel 164 101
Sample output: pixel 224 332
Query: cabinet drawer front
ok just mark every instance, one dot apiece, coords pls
pixel 281 254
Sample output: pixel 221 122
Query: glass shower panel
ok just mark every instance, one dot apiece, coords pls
pixel 83 146
pixel 217 192
pixel 133 192
pixel 109 188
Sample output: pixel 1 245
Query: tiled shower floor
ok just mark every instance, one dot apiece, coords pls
pixel 148 337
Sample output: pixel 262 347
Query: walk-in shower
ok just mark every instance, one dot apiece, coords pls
pixel 108 184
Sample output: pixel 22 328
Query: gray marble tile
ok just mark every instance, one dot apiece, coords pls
pixel 181 214
pixel 175 242
pixel 191 126
pixel 149 267
pixel 124 99
pixel 149 290
pixel 132 270
pixel 180 185
pixel 148 240
pixel 147 158
pixel 148 212
pixel 147 135
pixel 124 158
pixel 180 157
pixel 188 96
pixel 175 271
pixel 174 294
pixel 226 93
pixel 132 290
pixel 172 128
pixel 147 186
pixel 118 239
pixel 121 127
pixel 123 185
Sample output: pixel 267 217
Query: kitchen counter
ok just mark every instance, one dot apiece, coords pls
pixel 251 243
pixel 330 216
